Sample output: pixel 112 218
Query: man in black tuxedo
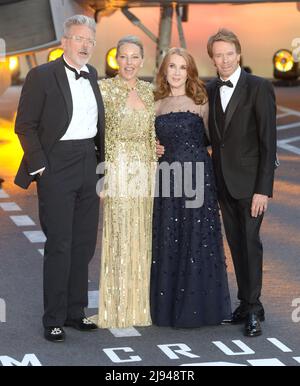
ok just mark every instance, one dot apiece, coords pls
pixel 60 124
pixel 242 126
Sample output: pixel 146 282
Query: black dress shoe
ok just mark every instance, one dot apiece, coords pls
pixel 252 325
pixel 82 324
pixel 54 334
pixel 240 316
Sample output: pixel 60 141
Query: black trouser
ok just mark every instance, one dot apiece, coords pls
pixel 69 210
pixel 242 233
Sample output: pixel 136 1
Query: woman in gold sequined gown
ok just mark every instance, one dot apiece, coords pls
pixel 127 223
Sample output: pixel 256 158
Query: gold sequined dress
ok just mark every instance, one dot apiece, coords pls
pixel 127 219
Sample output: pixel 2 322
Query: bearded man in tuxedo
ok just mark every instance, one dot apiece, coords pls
pixel 60 124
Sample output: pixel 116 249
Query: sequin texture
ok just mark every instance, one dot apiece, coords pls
pixel 127 222
pixel 189 286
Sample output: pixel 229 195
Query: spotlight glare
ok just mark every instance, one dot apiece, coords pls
pixel 55 54
pixel 111 59
pixel 285 68
pixel 283 61
pixel 13 63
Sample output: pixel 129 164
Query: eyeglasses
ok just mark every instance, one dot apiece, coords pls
pixel 81 39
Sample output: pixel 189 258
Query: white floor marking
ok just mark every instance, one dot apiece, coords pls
pixel 279 344
pixel 93 299
pixel 10 206
pixel 35 236
pixel 284 144
pixel 22 221
pixel 117 332
pixel 265 362
pixel 124 332
pixel 288 126
pixel 290 111
pixel 282 115
pixel 3 194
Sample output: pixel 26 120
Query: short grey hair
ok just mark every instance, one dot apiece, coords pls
pixel 130 39
pixel 79 20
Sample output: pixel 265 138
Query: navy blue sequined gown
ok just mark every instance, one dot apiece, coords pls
pixel 189 286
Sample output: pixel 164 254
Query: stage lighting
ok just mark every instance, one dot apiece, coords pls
pixel 111 66
pixel 285 68
pixel 55 54
pixel 14 68
pixel 13 63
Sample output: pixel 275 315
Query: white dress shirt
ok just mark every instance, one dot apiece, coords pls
pixel 84 120
pixel 83 124
pixel 226 92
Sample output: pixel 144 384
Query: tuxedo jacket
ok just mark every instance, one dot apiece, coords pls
pixel 44 115
pixel 244 152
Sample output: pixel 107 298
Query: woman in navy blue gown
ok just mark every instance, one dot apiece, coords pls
pixel 189 286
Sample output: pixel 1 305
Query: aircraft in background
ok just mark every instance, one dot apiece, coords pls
pixel 27 26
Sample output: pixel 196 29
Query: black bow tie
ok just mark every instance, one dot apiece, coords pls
pixel 221 83
pixel 82 74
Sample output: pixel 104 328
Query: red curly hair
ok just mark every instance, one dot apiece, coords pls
pixel 194 88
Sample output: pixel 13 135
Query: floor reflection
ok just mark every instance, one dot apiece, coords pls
pixel 10 150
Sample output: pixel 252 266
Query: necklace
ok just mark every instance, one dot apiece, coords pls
pixel 125 84
pixel 131 88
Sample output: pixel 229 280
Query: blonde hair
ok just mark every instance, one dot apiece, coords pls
pixel 131 39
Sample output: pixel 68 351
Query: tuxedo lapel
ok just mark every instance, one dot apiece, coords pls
pixel 214 101
pixel 96 91
pixel 238 94
pixel 64 86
